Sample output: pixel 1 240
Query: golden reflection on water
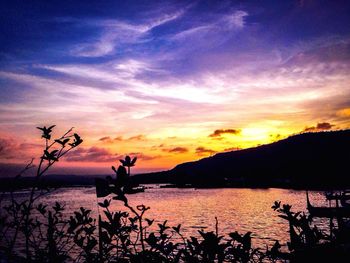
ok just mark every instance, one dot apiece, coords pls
pixel 239 210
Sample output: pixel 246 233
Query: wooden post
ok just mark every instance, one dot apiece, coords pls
pixel 100 242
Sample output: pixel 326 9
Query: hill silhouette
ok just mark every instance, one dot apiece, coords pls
pixel 316 160
pixel 312 160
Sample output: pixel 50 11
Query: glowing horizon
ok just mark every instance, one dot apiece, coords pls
pixel 170 82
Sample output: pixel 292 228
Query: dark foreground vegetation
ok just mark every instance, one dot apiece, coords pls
pixel 30 231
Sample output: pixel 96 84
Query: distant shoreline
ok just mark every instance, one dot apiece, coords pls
pixel 306 161
pixel 5 187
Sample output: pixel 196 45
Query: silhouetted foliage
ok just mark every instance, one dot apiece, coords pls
pixel 129 236
pixel 41 230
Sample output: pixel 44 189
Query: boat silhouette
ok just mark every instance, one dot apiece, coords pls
pixel 341 208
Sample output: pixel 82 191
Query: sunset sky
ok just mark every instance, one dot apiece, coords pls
pixel 169 81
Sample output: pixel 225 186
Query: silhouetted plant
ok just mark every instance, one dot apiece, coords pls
pixel 122 236
pixel 307 242
pixel 130 237
pixel 127 162
pixel 302 233
pixel 19 217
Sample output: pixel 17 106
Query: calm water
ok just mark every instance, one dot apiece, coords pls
pixel 239 210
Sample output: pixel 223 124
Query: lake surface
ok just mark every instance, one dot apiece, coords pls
pixel 239 210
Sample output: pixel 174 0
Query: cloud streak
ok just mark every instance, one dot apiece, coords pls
pixel 220 132
pixel 176 150
pixel 101 155
pixel 115 34
pixel 11 150
pixel 201 151
pixel 92 154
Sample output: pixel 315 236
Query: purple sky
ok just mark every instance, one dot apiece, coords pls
pixel 158 79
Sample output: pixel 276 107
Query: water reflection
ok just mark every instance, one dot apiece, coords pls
pixel 236 209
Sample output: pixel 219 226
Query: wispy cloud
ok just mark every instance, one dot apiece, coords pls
pixel 139 137
pixel 202 36
pixel 7 148
pixel 201 151
pixel 92 154
pixel 101 155
pixel 177 149
pixel 13 150
pixel 105 139
pixel 116 33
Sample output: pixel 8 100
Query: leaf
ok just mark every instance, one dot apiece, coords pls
pixel 63 143
pixel 77 140
pixel 42 209
pixel 57 207
pixel 151 240
pixel 149 221
pixel 50 156
pixel 121 197
pixel 177 228
pixel 134 161
pixel 105 203
pixel 276 205
pixel 46 131
pixel 128 162
pixel 235 236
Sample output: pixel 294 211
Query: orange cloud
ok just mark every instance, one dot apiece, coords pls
pixel 108 139
pixel 322 126
pixel 105 139
pixel 204 151
pixel 176 150
pixel 139 137
pixel 218 133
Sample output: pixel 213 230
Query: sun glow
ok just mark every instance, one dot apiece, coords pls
pixel 256 134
